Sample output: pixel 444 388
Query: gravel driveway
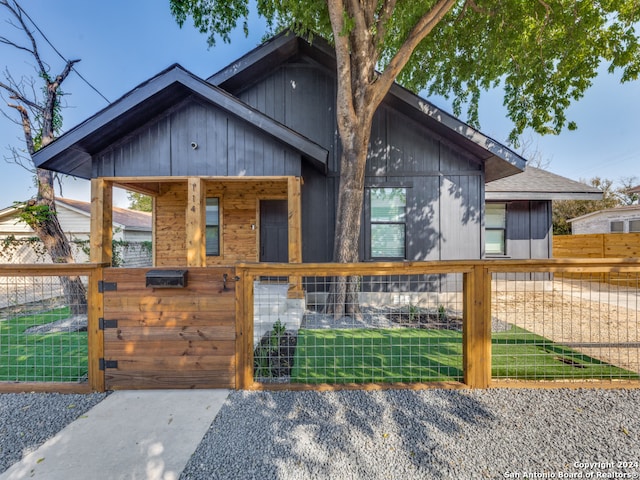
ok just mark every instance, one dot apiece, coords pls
pixel 389 434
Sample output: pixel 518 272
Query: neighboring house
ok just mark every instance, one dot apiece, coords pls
pixel 612 220
pixel 130 229
pixel 251 156
pixel 519 221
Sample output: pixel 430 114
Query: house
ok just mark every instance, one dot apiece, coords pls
pixel 518 216
pixel 130 229
pixel 612 220
pixel 250 156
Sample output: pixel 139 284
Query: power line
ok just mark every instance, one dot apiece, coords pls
pixel 60 54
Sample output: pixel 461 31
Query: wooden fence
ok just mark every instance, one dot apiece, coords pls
pixel 599 245
pixel 481 283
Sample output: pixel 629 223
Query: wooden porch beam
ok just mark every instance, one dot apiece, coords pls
pixel 294 202
pixel 196 222
pixel 101 236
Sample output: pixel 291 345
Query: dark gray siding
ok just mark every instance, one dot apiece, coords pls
pixel 226 146
pixel 529 229
pixel 445 184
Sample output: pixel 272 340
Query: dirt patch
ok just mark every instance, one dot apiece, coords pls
pixel 600 323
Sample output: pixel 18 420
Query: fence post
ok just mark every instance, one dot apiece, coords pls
pixel 95 336
pixel 244 329
pixel 476 337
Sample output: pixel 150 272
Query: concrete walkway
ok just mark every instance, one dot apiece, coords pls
pixel 141 435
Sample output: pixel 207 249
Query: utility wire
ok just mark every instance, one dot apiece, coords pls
pixel 60 54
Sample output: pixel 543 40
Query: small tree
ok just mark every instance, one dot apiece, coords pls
pixel 38 111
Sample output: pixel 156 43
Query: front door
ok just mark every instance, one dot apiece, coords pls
pixel 274 231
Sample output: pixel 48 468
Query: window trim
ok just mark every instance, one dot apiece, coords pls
pixel 371 223
pixel 505 205
pixel 620 222
pixel 207 225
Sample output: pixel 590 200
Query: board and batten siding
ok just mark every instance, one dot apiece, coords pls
pixel 239 217
pixel 529 227
pixel 224 146
pixel 445 184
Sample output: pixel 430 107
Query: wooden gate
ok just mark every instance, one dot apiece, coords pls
pixel 169 337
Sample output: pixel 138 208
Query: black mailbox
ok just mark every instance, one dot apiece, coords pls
pixel 167 278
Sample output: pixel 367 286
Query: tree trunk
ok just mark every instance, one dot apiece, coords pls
pixel 44 221
pixel 343 297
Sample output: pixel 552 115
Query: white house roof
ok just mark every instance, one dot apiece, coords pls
pixel 608 211
pixel 123 218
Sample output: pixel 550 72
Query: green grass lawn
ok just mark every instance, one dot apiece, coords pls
pixel 51 357
pixel 422 355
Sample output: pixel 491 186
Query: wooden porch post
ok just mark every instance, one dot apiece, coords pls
pixel 294 202
pixel 195 223
pixel 476 339
pixel 101 236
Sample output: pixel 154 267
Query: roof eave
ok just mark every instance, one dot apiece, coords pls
pixel 506 196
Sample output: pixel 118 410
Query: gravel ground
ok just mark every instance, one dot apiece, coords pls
pixel 27 420
pixel 434 434
pixel 387 434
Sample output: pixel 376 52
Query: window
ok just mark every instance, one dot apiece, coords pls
pixel 634 226
pixel 616 227
pixel 213 226
pixel 387 222
pixel 495 221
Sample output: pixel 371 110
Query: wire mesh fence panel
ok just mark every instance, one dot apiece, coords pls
pixel 565 326
pixel 43 329
pixel 384 329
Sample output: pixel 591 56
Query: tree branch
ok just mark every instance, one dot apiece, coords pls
pixel 385 15
pixel 26 127
pixel 423 27
pixel 343 60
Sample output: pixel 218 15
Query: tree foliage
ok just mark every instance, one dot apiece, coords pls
pixel 140 202
pixel 545 54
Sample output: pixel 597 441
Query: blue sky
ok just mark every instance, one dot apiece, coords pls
pixel 123 43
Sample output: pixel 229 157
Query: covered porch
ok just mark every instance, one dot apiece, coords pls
pixel 208 221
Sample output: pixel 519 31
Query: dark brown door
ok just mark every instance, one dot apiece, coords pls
pixel 274 231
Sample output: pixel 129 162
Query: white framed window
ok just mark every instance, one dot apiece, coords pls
pixel 387 222
pixel 616 226
pixel 495 222
pixel 634 226
pixel 212 231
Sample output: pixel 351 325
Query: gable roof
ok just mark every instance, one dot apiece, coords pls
pixel 71 152
pixel 500 161
pixel 537 184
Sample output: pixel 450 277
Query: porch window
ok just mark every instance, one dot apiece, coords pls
pixel 616 227
pixel 213 226
pixel 495 222
pixel 388 222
